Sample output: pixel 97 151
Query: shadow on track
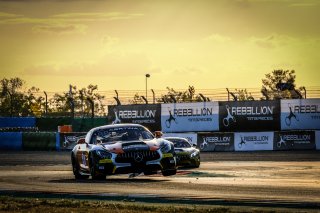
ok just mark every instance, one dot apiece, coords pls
pixel 111 180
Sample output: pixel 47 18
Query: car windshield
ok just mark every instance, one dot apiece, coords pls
pixel 121 134
pixel 180 143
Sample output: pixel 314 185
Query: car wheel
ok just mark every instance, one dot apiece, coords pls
pixel 169 172
pixel 197 164
pixel 93 171
pixel 76 170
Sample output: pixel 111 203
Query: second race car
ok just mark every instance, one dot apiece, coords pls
pixel 186 154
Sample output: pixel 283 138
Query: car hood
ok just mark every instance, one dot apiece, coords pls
pixel 184 150
pixel 128 146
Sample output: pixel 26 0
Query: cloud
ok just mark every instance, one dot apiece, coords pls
pixel 272 41
pixel 65 18
pixel 60 29
pixel 217 38
pixel 8 15
pixel 109 41
pixel 97 16
pixel 129 64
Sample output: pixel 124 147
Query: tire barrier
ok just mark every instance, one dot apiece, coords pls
pixel 17 122
pixel 19 129
pixel 10 140
pixel 36 141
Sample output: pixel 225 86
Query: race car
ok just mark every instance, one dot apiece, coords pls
pixel 186 154
pixel 122 149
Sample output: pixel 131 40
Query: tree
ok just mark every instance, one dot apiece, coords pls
pixel 189 95
pixel 137 99
pixel 280 84
pixel 80 98
pixel 15 102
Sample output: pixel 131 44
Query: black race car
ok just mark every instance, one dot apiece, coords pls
pixel 122 149
pixel 186 154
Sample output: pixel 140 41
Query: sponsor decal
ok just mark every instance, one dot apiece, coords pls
pixel 300 114
pixel 252 141
pixel 148 115
pixel 294 140
pixel 167 155
pixel 135 147
pixel 182 117
pixel 170 119
pixel 105 161
pixel 249 115
pixel 216 141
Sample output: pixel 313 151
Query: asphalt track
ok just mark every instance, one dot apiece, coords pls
pixel 289 179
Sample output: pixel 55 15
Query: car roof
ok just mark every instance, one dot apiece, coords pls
pixel 116 125
pixel 177 138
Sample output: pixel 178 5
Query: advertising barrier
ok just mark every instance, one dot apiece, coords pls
pixel 218 142
pixel 317 140
pixel 253 141
pixel 191 137
pixel 148 115
pixel 300 114
pixel 249 116
pixel 189 117
pixel 68 140
pixel 294 140
pixel 17 122
pixel 34 141
pixel 10 140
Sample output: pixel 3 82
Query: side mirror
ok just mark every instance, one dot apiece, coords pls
pixel 194 145
pixel 81 141
pixel 158 134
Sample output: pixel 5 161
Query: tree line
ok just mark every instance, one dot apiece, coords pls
pixel 15 100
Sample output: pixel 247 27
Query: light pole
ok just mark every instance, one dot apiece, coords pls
pixel 147 76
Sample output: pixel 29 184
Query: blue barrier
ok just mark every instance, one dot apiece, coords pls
pixel 10 140
pixel 57 141
pixel 17 122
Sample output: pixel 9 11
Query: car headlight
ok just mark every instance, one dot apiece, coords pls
pixel 193 154
pixel 165 148
pixel 104 154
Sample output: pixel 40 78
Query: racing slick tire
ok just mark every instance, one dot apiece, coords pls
pixel 76 172
pixel 95 175
pixel 169 172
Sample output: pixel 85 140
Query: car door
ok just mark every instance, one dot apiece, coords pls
pixel 82 156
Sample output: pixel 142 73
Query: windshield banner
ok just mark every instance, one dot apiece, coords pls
pixel 253 141
pixel 188 117
pixel 300 114
pixel 249 115
pixel 148 115
pixel 294 140
pixel 217 142
pixel 191 137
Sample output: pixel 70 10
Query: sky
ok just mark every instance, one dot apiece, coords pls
pixel 114 43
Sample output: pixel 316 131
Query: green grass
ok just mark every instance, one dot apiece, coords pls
pixel 44 205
